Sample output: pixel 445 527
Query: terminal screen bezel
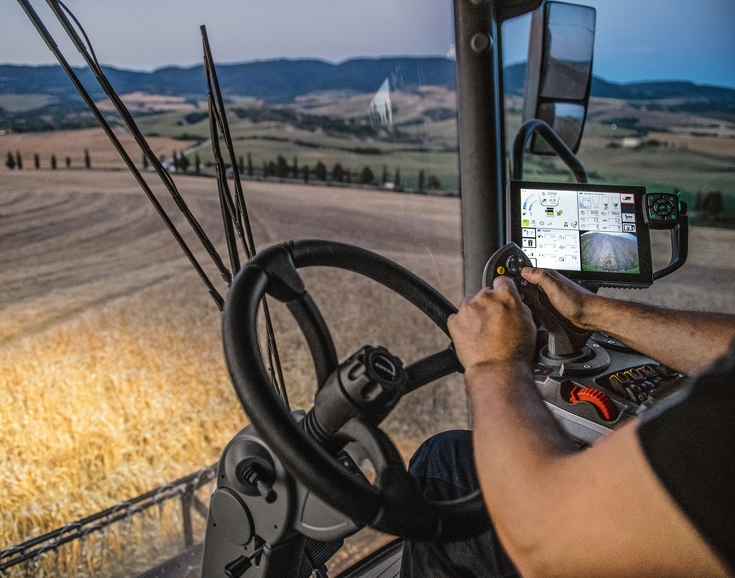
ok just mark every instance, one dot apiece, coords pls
pixel 643 278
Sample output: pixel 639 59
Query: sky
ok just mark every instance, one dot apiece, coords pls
pixel 636 40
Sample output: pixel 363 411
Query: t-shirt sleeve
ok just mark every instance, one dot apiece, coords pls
pixel 690 444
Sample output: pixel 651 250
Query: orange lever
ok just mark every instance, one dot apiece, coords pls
pixel 604 404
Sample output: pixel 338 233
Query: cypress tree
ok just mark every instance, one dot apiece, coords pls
pixel 320 171
pixel 37 161
pixel 53 162
pixel 18 160
pixel 281 167
pixel 10 161
pixel 87 159
pixel 367 176
pixel 250 165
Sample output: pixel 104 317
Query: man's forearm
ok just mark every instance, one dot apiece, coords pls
pixel 684 340
pixel 687 341
pixel 516 440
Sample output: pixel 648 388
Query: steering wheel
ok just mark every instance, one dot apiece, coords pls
pixel 393 503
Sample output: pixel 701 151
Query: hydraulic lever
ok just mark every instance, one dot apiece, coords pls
pixel 567 348
pixel 565 338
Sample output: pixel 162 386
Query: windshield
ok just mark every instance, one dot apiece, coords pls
pixel 344 123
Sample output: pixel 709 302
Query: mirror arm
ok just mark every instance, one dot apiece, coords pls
pixel 520 142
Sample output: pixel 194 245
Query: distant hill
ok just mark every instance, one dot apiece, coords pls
pixel 282 80
pixel 34 98
pixel 271 80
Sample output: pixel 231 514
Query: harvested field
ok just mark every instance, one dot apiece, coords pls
pixel 110 357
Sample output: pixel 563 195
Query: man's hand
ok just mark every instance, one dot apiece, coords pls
pixel 493 328
pixel 575 303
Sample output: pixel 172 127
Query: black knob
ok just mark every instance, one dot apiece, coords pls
pixel 238 567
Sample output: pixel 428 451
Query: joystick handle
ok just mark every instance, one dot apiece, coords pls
pixel 565 338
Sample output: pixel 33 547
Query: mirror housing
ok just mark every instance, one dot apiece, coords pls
pixel 559 71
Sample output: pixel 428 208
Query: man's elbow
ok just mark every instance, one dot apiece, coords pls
pixel 536 551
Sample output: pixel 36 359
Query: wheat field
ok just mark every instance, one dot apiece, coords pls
pixel 111 371
pixel 110 356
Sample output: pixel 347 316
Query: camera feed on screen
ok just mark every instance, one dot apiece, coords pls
pixel 580 230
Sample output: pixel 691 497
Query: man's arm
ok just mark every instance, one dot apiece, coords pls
pixel 557 511
pixel 687 341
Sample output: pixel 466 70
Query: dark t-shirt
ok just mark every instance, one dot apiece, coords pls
pixel 689 441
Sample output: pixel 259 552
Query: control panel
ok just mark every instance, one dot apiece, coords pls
pixel 596 234
pixel 591 382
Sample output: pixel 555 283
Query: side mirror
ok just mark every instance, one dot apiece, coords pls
pixel 559 71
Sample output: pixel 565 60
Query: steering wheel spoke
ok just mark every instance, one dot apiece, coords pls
pixel 432 367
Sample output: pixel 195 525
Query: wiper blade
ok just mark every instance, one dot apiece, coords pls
pixel 236 215
pixel 59 10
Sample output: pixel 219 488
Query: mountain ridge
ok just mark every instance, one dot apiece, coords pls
pixel 282 80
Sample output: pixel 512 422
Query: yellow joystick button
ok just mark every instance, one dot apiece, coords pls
pixel 501 270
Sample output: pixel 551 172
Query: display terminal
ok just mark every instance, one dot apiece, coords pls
pixel 591 233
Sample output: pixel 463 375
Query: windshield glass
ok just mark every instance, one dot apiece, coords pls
pixel 344 122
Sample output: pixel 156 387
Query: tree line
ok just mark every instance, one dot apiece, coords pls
pixel 15 161
pixel 280 168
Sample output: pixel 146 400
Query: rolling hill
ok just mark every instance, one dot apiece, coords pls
pixel 278 81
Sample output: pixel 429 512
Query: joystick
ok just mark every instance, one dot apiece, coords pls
pixel 567 348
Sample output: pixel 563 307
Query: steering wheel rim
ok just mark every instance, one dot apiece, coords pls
pixel 394 505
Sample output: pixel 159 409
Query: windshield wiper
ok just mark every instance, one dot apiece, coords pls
pixel 59 10
pixel 235 216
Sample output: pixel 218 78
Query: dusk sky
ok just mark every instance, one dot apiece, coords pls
pixel 636 39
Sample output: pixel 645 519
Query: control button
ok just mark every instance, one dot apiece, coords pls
pixel 635 373
pixel 604 405
pixel 647 386
pixel 500 270
pixel 623 377
pixel 652 214
pixel 652 199
pixel 635 394
pixel 514 264
pixel 541 371
pixel 647 370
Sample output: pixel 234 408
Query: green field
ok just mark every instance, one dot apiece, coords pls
pixel 664 153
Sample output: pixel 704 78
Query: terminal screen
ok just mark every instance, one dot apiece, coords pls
pixel 580 230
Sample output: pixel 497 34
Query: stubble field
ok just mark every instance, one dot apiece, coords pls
pixel 111 369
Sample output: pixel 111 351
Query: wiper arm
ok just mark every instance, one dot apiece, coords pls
pixel 50 42
pixel 230 213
